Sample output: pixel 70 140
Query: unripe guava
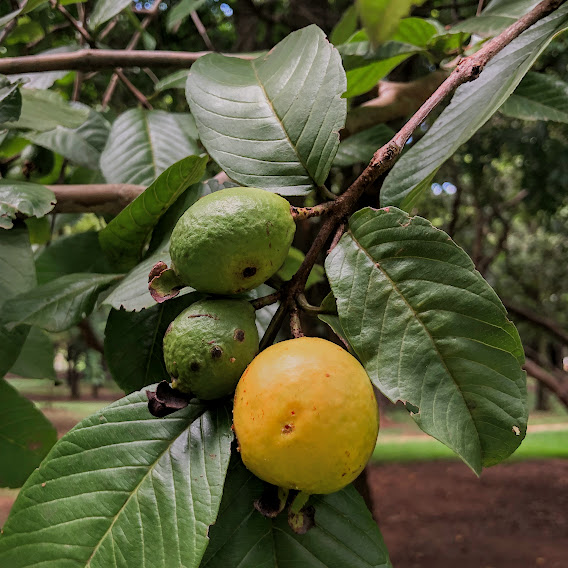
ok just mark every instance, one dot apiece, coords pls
pixel 208 346
pixel 305 416
pixel 232 240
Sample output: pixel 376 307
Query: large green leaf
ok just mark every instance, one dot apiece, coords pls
pixel 431 332
pixel 472 105
pixel 36 357
pixel 82 145
pixel 59 304
pixel 10 100
pixel 144 143
pixel 416 31
pixel 104 10
pixel 26 436
pixel 361 146
pixel 538 97
pixel 178 13
pixel 17 274
pixel 124 238
pixel 345 535
pixel 346 26
pixel 272 122
pixel 45 110
pixel 381 17
pixel 30 199
pixel 496 17
pixel 133 343
pixel 123 489
pixel 80 252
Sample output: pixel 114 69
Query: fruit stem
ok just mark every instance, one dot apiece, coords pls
pixel 295 323
pixel 299 501
pixel 306 306
pixel 259 303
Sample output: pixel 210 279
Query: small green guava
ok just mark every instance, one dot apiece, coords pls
pixel 209 345
pixel 232 240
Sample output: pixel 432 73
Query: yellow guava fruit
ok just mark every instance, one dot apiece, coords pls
pixel 232 240
pixel 305 416
pixel 208 346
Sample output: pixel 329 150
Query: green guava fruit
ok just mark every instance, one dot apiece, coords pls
pixel 209 345
pixel 232 240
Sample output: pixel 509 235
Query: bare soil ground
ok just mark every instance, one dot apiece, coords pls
pixel 440 515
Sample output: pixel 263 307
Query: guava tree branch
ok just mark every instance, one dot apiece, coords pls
pixel 98 59
pixel 94 198
pixel 384 159
pixel 547 379
pixel 545 323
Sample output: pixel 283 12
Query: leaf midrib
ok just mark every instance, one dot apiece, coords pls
pixel 377 266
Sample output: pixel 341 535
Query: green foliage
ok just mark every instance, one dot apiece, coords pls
pixel 361 146
pixel 345 533
pixel 30 199
pixel 143 144
pixel 472 105
pixel 134 343
pixel 36 357
pixel 10 100
pixel 104 10
pixel 124 238
pixel 431 332
pixel 25 436
pixel 89 505
pixel 246 115
pixel 181 11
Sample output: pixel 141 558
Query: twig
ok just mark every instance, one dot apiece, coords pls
pixel 300 213
pixel 97 59
pixel 479 7
pixel 264 301
pixel 306 306
pixel 273 327
pixel 295 323
pixel 547 379
pixel 132 88
pixel 201 30
pixel 75 23
pixel 336 237
pixel 107 96
pixel 10 25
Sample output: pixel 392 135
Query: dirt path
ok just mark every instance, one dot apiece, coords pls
pixel 440 515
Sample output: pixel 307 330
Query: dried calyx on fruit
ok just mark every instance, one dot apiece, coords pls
pixel 208 346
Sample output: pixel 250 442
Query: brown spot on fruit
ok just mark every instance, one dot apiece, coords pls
pixel 249 271
pixel 327 375
pixel 232 360
pixel 347 453
pixel 239 335
pixel 287 428
pixel 292 413
pixel 216 352
pixel 195 366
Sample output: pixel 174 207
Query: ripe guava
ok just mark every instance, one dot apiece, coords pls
pixel 208 346
pixel 305 416
pixel 232 240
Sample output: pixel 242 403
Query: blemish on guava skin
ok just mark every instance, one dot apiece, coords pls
pixel 292 413
pixel 249 271
pixel 327 375
pixel 232 360
pixel 203 316
pixel 216 352
pixel 347 453
pixel 239 335
pixel 169 328
pixel 287 428
pixel 195 366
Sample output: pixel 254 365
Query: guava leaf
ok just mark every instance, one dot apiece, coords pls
pixel 176 80
pixel 82 145
pixel 104 10
pixel 35 360
pixel 345 533
pixel 124 238
pixel 472 105
pixel 538 97
pixel 346 26
pixel 30 199
pixel 272 122
pixel 26 436
pixel 17 274
pixel 67 255
pixel 123 488
pixel 133 343
pixel 45 110
pixel 181 11
pixel 59 304
pixel 431 332
pixel 10 100
pixel 144 143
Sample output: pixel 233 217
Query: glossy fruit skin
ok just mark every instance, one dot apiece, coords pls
pixel 232 240
pixel 305 416
pixel 208 346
